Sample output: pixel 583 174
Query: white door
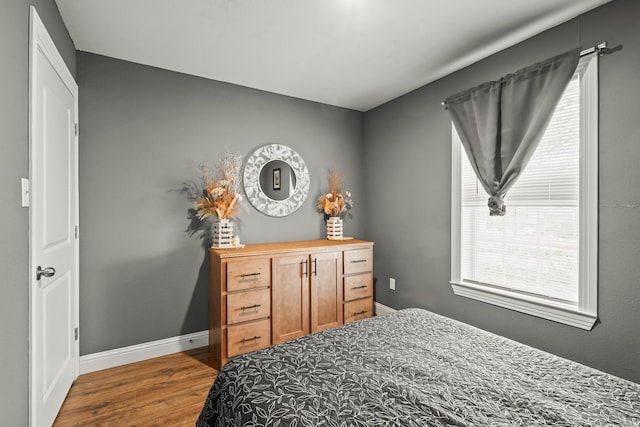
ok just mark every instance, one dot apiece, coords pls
pixel 53 298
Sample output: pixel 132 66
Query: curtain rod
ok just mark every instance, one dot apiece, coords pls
pixel 601 49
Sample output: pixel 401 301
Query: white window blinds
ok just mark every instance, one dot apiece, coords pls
pixel 534 248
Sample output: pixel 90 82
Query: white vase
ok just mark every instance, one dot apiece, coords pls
pixel 334 228
pixel 222 234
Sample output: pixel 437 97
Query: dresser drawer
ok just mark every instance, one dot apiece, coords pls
pixel 248 274
pixel 248 337
pixel 358 261
pixel 359 286
pixel 358 309
pixel 249 305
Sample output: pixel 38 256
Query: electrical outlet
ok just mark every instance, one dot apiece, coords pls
pixel 392 284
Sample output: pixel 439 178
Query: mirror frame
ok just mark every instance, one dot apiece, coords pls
pixel 251 178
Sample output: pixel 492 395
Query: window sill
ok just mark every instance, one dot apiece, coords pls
pixel 557 312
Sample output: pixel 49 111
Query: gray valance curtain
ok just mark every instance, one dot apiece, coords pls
pixel 501 123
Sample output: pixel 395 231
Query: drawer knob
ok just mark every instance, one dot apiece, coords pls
pixel 248 307
pixel 359 287
pixel 357 313
pixel 245 340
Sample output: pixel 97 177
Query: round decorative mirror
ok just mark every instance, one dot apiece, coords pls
pixel 276 180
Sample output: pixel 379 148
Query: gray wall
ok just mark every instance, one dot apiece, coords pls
pixel 411 136
pixel 143 132
pixel 14 220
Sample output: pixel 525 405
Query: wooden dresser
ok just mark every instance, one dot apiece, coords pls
pixel 264 294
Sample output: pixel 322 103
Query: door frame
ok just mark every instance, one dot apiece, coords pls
pixel 39 39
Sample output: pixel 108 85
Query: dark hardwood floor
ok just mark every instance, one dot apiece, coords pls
pixel 165 391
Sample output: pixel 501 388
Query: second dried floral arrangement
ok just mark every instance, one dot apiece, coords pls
pixel 335 205
pixel 221 197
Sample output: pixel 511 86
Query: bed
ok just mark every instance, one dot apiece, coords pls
pixel 414 368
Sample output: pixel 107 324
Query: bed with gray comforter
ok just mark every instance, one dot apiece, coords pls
pixel 414 368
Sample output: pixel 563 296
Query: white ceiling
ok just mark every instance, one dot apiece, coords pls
pixel 350 53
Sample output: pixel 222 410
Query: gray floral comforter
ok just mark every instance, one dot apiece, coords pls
pixel 414 368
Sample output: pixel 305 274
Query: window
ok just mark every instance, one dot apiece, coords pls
pixel 541 257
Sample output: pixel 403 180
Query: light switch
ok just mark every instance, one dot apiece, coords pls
pixel 25 192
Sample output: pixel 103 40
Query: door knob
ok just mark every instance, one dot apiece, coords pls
pixel 46 272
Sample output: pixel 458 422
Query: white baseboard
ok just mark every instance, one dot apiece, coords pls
pixel 136 353
pixel 381 309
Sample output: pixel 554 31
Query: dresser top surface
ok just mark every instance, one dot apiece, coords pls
pixel 284 247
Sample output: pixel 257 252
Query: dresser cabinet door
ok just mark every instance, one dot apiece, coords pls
pixel 326 290
pixel 290 298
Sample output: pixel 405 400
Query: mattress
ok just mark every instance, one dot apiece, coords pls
pixel 414 368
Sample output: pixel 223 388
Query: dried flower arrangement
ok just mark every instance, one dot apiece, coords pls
pixel 220 198
pixel 334 204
